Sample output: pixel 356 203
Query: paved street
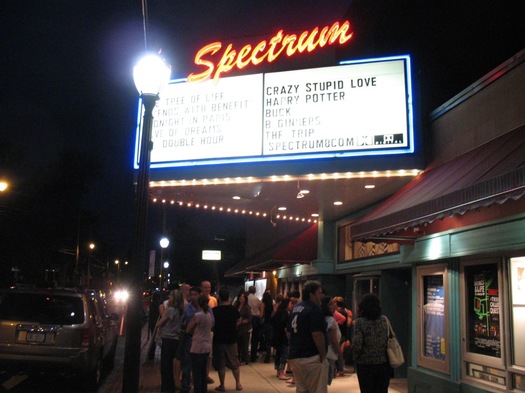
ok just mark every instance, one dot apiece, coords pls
pixel 255 378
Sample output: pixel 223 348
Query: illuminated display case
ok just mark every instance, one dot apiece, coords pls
pixel 433 334
pixel 483 314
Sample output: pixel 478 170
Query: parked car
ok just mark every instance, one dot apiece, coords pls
pixel 59 331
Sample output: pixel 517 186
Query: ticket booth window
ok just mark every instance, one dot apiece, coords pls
pixel 433 318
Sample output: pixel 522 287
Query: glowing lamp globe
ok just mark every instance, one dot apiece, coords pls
pixel 164 242
pixel 151 74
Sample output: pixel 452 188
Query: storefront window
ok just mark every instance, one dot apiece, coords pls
pixel 432 317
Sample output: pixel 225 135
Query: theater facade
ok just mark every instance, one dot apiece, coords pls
pixel 327 164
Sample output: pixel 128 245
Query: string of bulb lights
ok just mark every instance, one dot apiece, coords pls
pixel 226 209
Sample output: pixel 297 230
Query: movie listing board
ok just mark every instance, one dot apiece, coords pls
pixel 347 108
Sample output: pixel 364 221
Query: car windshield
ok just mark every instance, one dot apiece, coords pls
pixel 42 308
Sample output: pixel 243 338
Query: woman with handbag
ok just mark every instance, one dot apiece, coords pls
pixel 369 345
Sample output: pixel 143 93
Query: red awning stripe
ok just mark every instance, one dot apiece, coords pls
pixel 491 173
pixel 458 202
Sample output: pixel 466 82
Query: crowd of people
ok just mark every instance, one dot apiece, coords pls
pixel 307 334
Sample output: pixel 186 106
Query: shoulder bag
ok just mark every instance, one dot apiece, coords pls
pixel 393 349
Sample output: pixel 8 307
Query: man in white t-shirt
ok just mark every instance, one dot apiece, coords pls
pixel 255 305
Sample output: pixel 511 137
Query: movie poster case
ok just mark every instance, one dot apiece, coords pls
pixel 482 321
pixel 433 332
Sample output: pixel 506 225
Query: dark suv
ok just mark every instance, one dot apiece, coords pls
pixel 57 330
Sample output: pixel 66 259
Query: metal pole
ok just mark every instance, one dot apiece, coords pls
pixel 88 270
pixel 160 267
pixel 77 254
pixel 161 271
pixel 130 378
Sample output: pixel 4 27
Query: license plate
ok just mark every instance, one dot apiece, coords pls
pixel 35 337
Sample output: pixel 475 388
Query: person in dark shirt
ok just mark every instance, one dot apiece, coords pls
pixel 369 346
pixel 307 327
pixel 184 350
pixel 280 338
pixel 153 317
pixel 245 327
pixel 227 320
pixel 267 330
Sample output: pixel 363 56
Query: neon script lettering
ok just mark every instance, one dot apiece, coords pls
pixel 267 50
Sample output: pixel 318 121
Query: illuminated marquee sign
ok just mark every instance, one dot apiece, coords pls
pixel 267 50
pixel 211 255
pixel 355 109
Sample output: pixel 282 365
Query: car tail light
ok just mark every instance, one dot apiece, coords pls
pixel 85 338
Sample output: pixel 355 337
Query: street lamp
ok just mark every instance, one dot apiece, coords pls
pixel 150 74
pixel 117 262
pixel 164 243
pixel 91 248
pixel 166 266
pixel 3 185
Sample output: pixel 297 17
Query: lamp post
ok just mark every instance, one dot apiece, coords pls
pixel 91 248
pixel 164 243
pixel 117 263
pixel 150 75
pixel 166 265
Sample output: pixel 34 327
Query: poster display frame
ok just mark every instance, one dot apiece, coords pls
pixel 424 275
pixel 488 369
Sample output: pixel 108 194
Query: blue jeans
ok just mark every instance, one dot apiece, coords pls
pixel 281 356
pixel 199 361
pixel 167 355
pixel 331 370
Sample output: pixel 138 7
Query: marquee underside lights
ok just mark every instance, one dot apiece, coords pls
pixel 286 178
pixel 266 50
pixel 234 210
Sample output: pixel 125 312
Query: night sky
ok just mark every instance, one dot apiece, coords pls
pixel 68 102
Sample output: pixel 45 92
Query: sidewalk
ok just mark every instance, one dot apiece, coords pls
pixel 255 378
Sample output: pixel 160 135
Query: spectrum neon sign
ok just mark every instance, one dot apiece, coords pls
pixel 267 50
